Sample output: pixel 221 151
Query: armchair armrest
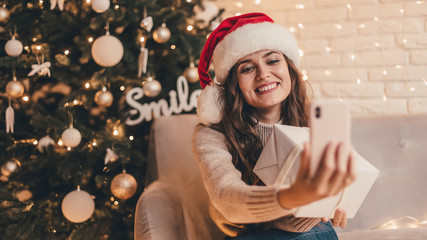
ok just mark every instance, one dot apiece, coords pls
pixel 159 214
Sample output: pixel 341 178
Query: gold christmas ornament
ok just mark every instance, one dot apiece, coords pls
pixel 77 206
pixel 104 98
pixel 152 87
pixel 13 47
pixel 4 14
pixel 9 167
pixel 71 137
pixel 100 6
pixel 123 186
pixel 15 89
pixel 162 34
pixel 191 74
pixel 107 50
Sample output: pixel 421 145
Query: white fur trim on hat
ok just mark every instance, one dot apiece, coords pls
pixel 251 38
pixel 209 108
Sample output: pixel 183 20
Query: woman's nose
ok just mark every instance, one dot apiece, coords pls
pixel 263 73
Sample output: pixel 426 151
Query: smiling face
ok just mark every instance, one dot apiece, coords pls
pixel 264 81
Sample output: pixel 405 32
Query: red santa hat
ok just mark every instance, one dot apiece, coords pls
pixel 235 38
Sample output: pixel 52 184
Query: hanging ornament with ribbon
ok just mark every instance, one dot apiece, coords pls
pixel 110 156
pixel 59 2
pixel 10 118
pixel 71 137
pixel 13 47
pixel 147 22
pixel 41 68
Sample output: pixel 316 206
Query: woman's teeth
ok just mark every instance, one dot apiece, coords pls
pixel 265 88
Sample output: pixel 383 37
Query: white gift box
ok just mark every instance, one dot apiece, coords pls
pixel 279 162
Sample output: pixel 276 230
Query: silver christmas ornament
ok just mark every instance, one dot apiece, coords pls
pixel 15 89
pixel 123 186
pixel 162 34
pixel 4 14
pixel 104 98
pixel 13 47
pixel 152 87
pixel 191 74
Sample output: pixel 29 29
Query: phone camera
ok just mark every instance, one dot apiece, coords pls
pixel 317 112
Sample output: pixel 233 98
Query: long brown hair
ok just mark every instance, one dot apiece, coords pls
pixel 239 120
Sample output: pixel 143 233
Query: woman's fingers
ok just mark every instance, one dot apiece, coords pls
pixel 338 217
pixel 339 179
pixel 304 168
pixel 325 170
pixel 343 223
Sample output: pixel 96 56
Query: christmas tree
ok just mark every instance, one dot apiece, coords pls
pixel 72 167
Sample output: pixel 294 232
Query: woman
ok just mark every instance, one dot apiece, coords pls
pixel 257 85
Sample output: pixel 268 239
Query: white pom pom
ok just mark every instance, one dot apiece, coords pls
pixel 209 107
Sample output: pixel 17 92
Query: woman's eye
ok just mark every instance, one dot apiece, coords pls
pixel 273 61
pixel 246 69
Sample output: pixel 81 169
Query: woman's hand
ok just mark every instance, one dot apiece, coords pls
pixel 334 173
pixel 340 218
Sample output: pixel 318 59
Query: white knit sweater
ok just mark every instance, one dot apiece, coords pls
pixel 235 203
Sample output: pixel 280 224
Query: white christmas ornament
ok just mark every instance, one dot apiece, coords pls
pixel 71 137
pixel 147 23
pixel 207 14
pixel 152 87
pixel 78 206
pixel 100 6
pixel 142 61
pixel 13 47
pixel 107 50
pixel 41 69
pixel 10 119
pixel 110 156
pixel 162 34
pixel 44 142
pixel 59 2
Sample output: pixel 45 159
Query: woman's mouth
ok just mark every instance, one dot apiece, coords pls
pixel 265 88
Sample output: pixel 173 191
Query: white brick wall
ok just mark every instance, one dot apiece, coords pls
pixel 371 53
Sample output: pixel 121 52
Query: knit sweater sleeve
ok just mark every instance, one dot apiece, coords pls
pixel 237 201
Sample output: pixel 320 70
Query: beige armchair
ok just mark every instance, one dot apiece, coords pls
pixel 175 204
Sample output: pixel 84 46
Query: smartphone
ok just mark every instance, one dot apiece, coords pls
pixel 329 121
